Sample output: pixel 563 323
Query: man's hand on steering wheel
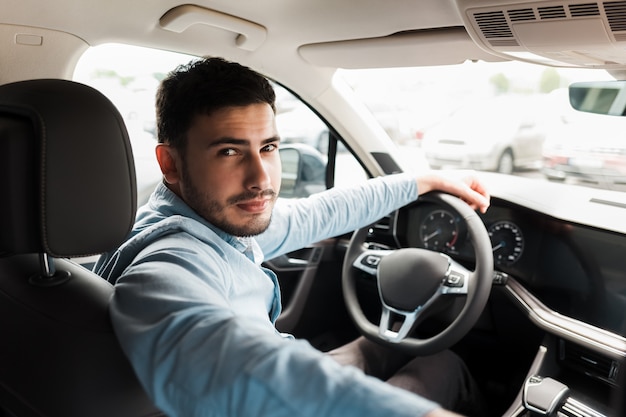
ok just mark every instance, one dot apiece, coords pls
pixel 462 184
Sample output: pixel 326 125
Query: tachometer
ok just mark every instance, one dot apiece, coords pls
pixel 439 231
pixel 507 242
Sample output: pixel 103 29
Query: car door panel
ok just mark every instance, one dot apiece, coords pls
pixel 312 298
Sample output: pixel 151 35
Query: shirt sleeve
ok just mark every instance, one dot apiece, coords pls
pixel 195 356
pixel 300 222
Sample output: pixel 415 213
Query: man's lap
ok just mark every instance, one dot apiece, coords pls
pixel 441 377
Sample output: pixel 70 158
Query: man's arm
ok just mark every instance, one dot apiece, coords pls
pixel 297 223
pixel 199 351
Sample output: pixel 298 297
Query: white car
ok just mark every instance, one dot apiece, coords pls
pixel 590 150
pixel 501 134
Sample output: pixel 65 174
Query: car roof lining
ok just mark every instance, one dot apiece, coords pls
pixel 56 57
pixel 244 31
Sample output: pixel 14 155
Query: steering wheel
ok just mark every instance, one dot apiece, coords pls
pixel 411 280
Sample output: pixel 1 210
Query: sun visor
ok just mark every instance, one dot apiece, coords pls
pixel 413 48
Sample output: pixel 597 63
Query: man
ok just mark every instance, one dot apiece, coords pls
pixel 194 309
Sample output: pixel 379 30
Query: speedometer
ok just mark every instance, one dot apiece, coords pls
pixel 439 231
pixel 507 242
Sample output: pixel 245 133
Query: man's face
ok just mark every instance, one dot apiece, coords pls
pixel 231 171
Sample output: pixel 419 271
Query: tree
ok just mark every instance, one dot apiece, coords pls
pixel 550 80
pixel 500 83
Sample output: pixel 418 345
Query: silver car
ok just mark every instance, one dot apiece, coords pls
pixel 500 134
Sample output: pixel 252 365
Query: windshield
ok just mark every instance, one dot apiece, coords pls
pixel 512 118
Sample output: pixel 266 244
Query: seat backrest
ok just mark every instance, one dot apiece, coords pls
pixel 67 190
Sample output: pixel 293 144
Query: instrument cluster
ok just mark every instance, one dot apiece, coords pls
pixel 439 228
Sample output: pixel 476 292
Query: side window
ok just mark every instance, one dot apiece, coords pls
pixel 304 149
pixel 129 77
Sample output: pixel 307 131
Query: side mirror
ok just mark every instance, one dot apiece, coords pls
pixel 601 97
pixel 304 170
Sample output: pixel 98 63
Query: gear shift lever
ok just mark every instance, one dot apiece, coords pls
pixel 543 395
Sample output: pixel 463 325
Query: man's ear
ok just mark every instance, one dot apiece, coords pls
pixel 168 159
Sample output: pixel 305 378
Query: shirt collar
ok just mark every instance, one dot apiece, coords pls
pixel 169 204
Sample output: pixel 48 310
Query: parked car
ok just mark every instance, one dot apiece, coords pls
pixel 547 257
pixel 500 134
pixel 300 125
pixel 589 149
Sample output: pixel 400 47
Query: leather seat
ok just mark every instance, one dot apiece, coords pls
pixel 67 190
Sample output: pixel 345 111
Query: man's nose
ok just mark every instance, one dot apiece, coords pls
pixel 258 176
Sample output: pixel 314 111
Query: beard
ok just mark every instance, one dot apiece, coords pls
pixel 216 213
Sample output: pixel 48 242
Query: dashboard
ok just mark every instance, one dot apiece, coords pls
pixel 575 270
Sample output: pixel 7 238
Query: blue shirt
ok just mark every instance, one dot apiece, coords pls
pixel 194 311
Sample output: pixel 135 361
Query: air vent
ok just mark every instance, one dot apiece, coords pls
pixel 384 224
pixel 493 25
pixel 553 12
pixel 521 15
pixel 584 10
pixel 380 234
pixel 584 34
pixel 589 362
pixel 616 15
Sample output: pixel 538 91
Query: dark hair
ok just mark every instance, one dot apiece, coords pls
pixel 202 87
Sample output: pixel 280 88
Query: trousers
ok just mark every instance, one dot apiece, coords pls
pixel 442 377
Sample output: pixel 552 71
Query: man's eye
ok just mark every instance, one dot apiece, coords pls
pixel 270 147
pixel 228 152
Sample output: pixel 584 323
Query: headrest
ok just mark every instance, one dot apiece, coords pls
pixel 66 169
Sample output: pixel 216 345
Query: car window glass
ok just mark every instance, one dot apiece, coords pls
pixel 513 118
pixel 303 132
pixel 129 77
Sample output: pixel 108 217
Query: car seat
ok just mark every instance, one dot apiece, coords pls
pixel 68 190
